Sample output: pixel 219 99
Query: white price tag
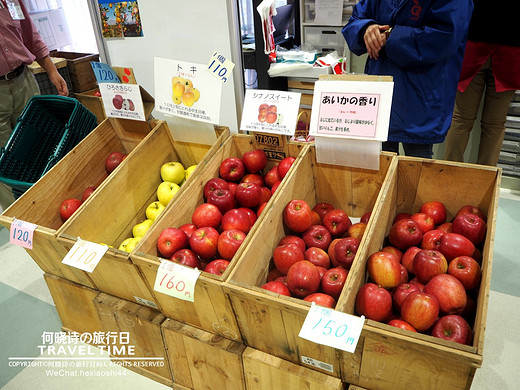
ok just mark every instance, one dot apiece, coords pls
pixel 176 280
pixel 21 233
pixel 122 101
pixel 85 255
pixel 220 67
pixel 332 328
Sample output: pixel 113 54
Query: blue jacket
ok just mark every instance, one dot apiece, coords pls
pixel 423 54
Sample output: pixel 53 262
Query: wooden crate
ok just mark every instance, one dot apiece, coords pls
pixel 397 359
pixel 143 326
pixel 202 360
pixel 211 309
pixel 121 202
pixel 267 321
pixel 74 304
pixel 80 69
pixel 84 166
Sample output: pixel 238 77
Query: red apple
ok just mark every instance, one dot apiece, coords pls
pixel 466 270
pixel 68 207
pixel 248 194
pixel 216 267
pixel 333 281
pixel 188 228
pixel 453 245
pixel 454 328
pixel 316 220
pixel 400 216
pixel 232 169
pixel 170 240
pixel 186 257
pixel 424 221
pixel 402 325
pixel 408 256
pixel 284 165
pixel 297 215
pixel 266 195
pixel 87 192
pixel 445 227
pixel 428 263
pixel 365 217
pixel 357 230
pixel 113 160
pixel 303 278
pixel 255 178
pixel 228 243
pixel 250 213
pixel 206 214
pixel 436 210
pixel 285 256
pixel 323 208
pixel 274 274
pixel 260 209
pixel 420 310
pixel 275 187
pixel 404 274
pixel 374 302
pixel 337 222
pixel 400 293
pixel 470 226
pixel 472 210
pixel 213 184
pixel 384 269
pixel 432 239
pixel 254 160
pixel 317 256
pixel 291 239
pixel 394 250
pixel 272 177
pixel 332 252
pixel 277 287
pixel 345 252
pixel 321 270
pixel 317 236
pixel 321 299
pixel 415 282
pixel 404 234
pixel 223 199
pixel 204 242
pixel 236 219
pixel 450 293
pixel 232 187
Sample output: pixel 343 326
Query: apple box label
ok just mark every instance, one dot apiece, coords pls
pixel 176 280
pixel 122 101
pixel 21 233
pixel 271 112
pixel 317 363
pixel 85 255
pixel 145 302
pixel 332 328
pixel 220 67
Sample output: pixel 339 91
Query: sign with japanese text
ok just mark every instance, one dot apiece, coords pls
pixel 220 67
pixel 104 73
pixel 176 280
pixel 85 255
pixel 21 233
pixel 271 112
pixel 351 109
pixel 332 328
pixel 187 90
pixel 122 101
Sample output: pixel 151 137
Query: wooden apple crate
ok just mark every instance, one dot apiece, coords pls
pixel 143 325
pixel 202 360
pixel 267 321
pixel 74 304
pixel 264 371
pixel 211 309
pixel 121 202
pixel 397 359
pixel 82 167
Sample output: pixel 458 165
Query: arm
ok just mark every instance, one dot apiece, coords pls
pixel 55 77
pixel 361 22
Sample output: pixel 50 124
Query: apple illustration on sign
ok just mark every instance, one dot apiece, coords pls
pixel 117 101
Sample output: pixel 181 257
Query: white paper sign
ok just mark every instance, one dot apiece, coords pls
pixel 274 112
pixel 351 109
pixel 21 233
pixel 122 101
pixel 176 280
pixel 187 89
pixel 85 255
pixel 332 328
pixel 329 12
pixel 220 67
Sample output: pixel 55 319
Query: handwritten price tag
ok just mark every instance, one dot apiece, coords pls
pixel 333 328
pixel 220 67
pixel 22 233
pixel 85 255
pixel 104 73
pixel 176 280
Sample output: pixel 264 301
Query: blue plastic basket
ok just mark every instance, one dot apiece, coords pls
pixel 48 128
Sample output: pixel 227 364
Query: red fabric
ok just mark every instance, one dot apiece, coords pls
pixel 505 64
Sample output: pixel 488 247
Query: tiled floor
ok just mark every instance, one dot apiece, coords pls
pixel 27 310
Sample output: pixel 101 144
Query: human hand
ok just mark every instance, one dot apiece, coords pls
pixel 59 82
pixel 375 39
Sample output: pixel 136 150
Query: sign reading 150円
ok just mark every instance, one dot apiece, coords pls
pixel 187 90
pixel 351 109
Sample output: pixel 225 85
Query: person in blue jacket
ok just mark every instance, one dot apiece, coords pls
pixel 421 44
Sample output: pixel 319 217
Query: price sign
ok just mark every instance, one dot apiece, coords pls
pixel 104 73
pixel 122 101
pixel 176 280
pixel 333 328
pixel 21 233
pixel 220 67
pixel 85 255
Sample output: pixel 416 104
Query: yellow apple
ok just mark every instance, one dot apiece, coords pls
pixel 188 84
pixel 102 243
pixel 132 244
pixel 177 99
pixel 124 244
pixel 173 172
pixel 178 89
pixel 154 209
pixel 177 80
pixel 196 93
pixel 140 229
pixel 188 98
pixel 166 191
pixel 189 171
